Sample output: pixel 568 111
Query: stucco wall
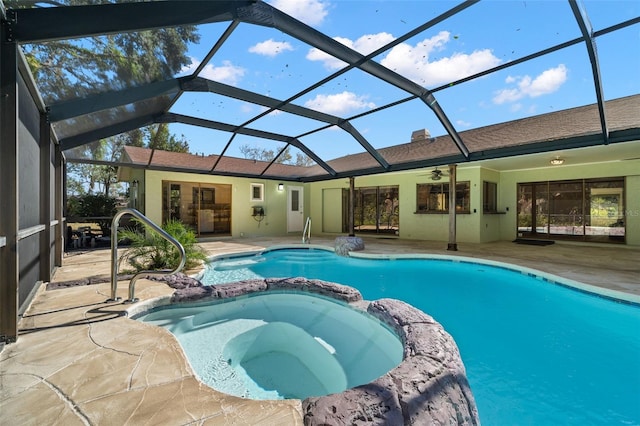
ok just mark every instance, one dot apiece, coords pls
pixel 323 201
pixel 412 225
pixel 632 213
pixel 478 226
pixel 242 223
pixel 331 204
pixel 490 224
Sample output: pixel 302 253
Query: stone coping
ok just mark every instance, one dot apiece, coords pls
pixel 428 387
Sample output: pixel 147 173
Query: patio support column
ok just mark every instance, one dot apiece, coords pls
pixel 453 246
pixel 352 194
pixel 58 206
pixel 9 189
pixel 45 198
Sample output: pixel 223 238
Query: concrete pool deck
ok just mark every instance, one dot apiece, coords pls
pixel 80 360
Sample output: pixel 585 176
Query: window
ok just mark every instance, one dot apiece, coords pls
pixel 584 210
pixel 434 197
pixel 257 192
pixel 489 197
pixel 295 200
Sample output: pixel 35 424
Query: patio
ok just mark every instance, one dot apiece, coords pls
pixel 80 360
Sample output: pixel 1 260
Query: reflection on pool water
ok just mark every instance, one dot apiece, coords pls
pixel 281 345
pixel 535 353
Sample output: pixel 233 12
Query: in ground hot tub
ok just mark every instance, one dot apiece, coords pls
pixel 281 345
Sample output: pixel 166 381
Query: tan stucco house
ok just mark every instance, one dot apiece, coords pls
pixel 577 190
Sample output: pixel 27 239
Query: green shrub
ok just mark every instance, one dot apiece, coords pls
pixel 151 251
pixel 98 206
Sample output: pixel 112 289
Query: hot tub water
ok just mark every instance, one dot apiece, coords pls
pixel 281 345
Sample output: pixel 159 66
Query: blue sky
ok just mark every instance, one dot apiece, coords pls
pixel 483 36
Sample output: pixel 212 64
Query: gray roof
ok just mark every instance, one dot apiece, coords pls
pixel 572 128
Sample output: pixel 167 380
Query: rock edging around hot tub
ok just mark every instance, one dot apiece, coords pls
pixel 428 387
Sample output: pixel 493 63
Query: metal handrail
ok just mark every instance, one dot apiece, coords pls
pixel 306 234
pixel 114 253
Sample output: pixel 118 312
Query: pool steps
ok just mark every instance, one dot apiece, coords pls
pixel 233 264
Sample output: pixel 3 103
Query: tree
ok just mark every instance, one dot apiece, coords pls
pixel 263 154
pixel 83 178
pixel 66 69
pixel 90 178
pixel 160 138
pixel 99 207
pixel 69 69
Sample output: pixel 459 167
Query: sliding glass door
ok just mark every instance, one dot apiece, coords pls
pixel 376 209
pixel 533 213
pixel 585 210
pixel 605 209
pixel 204 207
pixel 566 209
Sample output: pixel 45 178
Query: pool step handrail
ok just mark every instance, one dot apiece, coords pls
pixel 306 234
pixel 114 253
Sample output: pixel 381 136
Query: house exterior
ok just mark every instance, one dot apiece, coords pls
pixel 591 195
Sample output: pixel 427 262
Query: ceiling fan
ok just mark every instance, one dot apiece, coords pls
pixel 437 174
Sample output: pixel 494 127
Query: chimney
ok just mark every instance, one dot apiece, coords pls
pixel 420 135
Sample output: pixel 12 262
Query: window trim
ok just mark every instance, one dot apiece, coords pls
pixel 445 193
pixel 253 188
pixel 485 206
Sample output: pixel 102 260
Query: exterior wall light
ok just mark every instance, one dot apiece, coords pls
pixel 280 186
pixel 557 161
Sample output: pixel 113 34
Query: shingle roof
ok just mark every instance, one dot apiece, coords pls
pixel 568 128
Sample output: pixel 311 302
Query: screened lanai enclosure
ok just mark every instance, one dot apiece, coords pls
pixel 311 90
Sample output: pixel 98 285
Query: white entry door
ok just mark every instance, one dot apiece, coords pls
pixel 295 213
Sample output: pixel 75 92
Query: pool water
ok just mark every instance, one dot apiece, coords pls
pixel 536 353
pixel 281 345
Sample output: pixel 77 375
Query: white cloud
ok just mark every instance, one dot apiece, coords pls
pixel 416 61
pixel 188 69
pixel 246 107
pixel 507 95
pixel 259 109
pixel 365 45
pixel 462 123
pixel 226 73
pixel 340 103
pixel 271 48
pixel 311 12
pixel 370 42
pixel 548 82
pixel 275 112
pixel 417 64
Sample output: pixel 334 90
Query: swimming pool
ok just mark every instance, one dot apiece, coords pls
pixel 535 353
